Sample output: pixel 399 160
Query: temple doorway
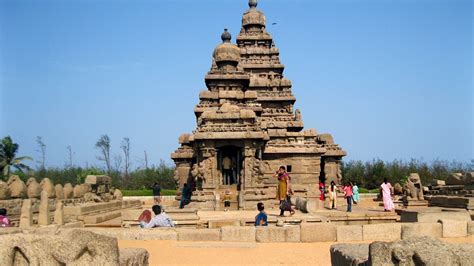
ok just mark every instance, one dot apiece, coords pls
pixel 230 164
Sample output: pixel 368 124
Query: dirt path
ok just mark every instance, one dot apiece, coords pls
pixel 232 253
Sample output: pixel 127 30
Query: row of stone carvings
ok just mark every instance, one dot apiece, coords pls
pixel 16 188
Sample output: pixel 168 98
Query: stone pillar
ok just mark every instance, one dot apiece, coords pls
pixel 59 213
pixel 26 216
pixel 43 217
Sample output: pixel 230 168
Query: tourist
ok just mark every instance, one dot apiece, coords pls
pixel 226 198
pixel 4 221
pixel 156 193
pixel 185 195
pixel 227 166
pixel 333 196
pixel 355 193
pixel 261 218
pixel 283 191
pixel 387 191
pixel 322 190
pixel 161 219
pixel 348 195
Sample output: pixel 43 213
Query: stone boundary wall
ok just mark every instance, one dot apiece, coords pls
pixel 305 232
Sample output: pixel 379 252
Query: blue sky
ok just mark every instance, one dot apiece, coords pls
pixel 389 79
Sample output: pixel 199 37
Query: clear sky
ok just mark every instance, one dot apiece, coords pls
pixel 389 79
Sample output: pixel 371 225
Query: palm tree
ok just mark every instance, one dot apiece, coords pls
pixel 8 151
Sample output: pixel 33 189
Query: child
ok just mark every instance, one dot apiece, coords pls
pixel 226 199
pixel 261 218
pixel 4 221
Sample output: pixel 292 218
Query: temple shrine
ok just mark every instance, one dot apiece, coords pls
pixel 247 127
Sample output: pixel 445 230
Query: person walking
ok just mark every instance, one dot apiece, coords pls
pixel 283 191
pixel 348 196
pixel 387 191
pixel 355 193
pixel 332 195
pixel 156 193
pixel 322 190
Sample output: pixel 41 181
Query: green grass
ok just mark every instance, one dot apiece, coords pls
pixel 364 190
pixel 148 192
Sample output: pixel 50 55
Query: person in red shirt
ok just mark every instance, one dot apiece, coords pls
pixel 348 196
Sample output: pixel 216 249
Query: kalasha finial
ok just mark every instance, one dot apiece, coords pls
pixel 226 36
pixel 253 3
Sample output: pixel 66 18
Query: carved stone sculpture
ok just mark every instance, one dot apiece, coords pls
pixel 33 188
pixel 4 191
pixel 48 186
pixel 58 188
pixel 68 191
pixel 17 187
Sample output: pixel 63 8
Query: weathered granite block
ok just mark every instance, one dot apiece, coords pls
pixel 433 215
pixel 185 234
pixel 221 223
pixel 386 231
pixel 452 228
pixel 318 232
pixel 138 233
pixel 349 233
pixel 349 254
pixel 420 251
pixel 410 230
pixel 238 233
pixel 26 217
pixel 277 234
pixel 133 257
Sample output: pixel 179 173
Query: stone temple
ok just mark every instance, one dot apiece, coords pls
pixel 247 127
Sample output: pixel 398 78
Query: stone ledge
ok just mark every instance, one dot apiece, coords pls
pixel 382 232
pixel 318 232
pixel 453 228
pixel 422 229
pixel 238 233
pixel 349 233
pixel 267 234
pixel 199 234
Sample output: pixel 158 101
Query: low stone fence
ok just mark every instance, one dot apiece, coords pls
pixel 305 232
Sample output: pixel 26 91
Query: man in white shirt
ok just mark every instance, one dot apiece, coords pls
pixel 161 219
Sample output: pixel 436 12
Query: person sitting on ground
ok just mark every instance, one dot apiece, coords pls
pixel 261 218
pixel 4 221
pixel 226 198
pixel 161 219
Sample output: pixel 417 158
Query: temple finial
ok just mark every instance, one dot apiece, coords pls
pixel 253 3
pixel 226 36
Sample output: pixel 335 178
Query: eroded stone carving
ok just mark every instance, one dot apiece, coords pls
pixel 33 188
pixel 17 187
pixel 70 248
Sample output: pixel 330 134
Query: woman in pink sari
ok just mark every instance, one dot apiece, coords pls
pixel 386 189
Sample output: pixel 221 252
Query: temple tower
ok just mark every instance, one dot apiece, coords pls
pixel 247 127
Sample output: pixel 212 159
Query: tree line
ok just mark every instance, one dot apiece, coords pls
pixel 367 175
pixel 118 166
pixel 371 174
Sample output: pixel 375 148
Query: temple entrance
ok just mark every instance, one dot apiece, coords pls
pixel 230 164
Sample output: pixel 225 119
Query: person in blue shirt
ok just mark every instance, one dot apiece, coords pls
pixel 261 218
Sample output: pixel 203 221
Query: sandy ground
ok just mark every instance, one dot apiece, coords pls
pixel 233 253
